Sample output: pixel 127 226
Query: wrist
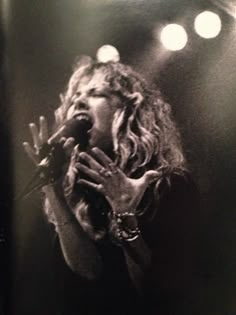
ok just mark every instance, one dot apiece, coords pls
pixel 53 191
pixel 125 226
pixel 126 219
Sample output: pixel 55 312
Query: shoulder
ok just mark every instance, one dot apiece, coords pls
pixel 171 193
pixel 174 209
pixel 176 189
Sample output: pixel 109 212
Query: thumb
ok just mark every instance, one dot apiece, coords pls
pixel 68 145
pixel 150 176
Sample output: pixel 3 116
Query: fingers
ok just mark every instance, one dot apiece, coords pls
pixel 102 157
pixel 104 170
pixel 30 152
pixel 150 176
pixel 90 160
pixel 97 187
pixel 43 134
pixel 39 137
pixel 35 135
pixel 110 166
pixel 69 145
pixel 91 173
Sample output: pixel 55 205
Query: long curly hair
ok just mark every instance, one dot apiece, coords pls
pixel 143 131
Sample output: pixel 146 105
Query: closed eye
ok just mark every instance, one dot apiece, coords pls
pixel 98 93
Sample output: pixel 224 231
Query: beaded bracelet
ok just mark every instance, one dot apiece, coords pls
pixel 125 233
pixel 129 236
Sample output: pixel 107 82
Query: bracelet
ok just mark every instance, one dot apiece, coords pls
pixel 124 215
pixel 124 232
pixel 128 236
pixel 131 239
pixel 121 217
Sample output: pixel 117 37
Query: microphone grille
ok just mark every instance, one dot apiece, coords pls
pixel 78 129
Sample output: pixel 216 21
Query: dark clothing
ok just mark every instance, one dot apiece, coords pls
pixel 168 289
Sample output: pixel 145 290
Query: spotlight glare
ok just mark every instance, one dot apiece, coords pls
pixel 108 53
pixel 207 24
pixel 174 37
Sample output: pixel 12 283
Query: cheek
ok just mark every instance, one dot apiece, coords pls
pixel 104 119
pixel 101 110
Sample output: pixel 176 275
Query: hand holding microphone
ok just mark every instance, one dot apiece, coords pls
pixel 50 154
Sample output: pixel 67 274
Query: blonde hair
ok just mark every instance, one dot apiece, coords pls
pixel 143 131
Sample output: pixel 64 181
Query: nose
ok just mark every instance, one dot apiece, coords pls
pixel 81 102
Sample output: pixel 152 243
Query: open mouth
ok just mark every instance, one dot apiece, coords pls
pixel 84 117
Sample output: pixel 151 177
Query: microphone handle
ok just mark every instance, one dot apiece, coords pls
pixel 35 183
pixel 49 169
pixel 53 158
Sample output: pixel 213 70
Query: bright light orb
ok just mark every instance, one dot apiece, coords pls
pixel 174 37
pixel 108 53
pixel 207 24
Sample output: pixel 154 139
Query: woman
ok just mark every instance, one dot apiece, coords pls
pixel 122 207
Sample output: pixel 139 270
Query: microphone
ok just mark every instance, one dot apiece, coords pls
pixel 53 156
pixel 52 153
pixel 76 128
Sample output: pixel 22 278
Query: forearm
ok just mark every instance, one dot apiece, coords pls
pixel 78 249
pixel 138 259
pixel 137 254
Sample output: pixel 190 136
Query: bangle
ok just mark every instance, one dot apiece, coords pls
pixel 126 218
pixel 125 214
pixel 123 230
pixel 128 236
pixel 131 239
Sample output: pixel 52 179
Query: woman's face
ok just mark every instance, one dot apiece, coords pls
pixel 93 100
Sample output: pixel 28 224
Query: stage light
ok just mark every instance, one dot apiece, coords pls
pixel 207 24
pixel 174 37
pixel 108 53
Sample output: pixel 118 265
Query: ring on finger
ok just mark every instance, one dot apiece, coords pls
pixel 108 173
pixel 105 172
pixel 102 171
pixel 100 187
pixel 113 168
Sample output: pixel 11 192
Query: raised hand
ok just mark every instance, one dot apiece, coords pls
pixel 123 193
pixel 40 137
pixel 41 149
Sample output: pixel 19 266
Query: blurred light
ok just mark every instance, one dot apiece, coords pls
pixel 174 37
pixel 108 53
pixel 207 24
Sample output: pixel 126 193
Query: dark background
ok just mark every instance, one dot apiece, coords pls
pixel 39 43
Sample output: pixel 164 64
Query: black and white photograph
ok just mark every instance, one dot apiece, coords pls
pixel 118 157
